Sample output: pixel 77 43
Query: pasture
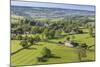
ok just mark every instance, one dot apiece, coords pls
pixel 62 54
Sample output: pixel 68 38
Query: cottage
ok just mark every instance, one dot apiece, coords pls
pixel 71 44
pixel 68 43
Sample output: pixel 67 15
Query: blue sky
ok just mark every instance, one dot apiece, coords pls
pixel 54 5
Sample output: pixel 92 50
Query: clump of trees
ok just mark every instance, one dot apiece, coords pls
pixel 19 37
pixel 28 41
pixel 24 44
pixel 84 45
pixel 82 51
pixel 31 40
pixel 91 31
pixel 45 54
pixel 68 38
pixel 48 29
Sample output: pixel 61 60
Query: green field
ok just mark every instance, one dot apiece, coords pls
pixel 62 54
pixel 43 35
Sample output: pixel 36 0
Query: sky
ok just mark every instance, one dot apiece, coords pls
pixel 54 5
pixel 88 2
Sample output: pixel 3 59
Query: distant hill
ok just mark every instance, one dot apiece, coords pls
pixel 44 12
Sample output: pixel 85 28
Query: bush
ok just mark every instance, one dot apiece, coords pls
pixel 68 38
pixel 37 38
pixel 46 52
pixel 60 42
pixel 80 31
pixel 19 37
pixel 84 45
pixel 24 44
pixel 31 40
pixel 75 44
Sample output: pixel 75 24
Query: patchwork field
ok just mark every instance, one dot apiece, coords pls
pixel 52 35
pixel 62 54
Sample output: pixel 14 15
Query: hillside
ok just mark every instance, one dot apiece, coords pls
pixel 51 13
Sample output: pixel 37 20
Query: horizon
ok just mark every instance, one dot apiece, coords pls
pixel 53 5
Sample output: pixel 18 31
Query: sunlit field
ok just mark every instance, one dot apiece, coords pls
pixel 41 35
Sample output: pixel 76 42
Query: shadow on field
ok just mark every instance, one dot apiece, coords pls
pixel 17 51
pixel 88 60
pixel 31 48
pixel 53 56
pixel 22 49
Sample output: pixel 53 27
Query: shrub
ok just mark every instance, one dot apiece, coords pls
pixel 68 38
pixel 84 45
pixel 31 40
pixel 75 44
pixel 37 38
pixel 46 52
pixel 19 37
pixel 24 44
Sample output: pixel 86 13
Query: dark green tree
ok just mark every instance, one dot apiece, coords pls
pixel 37 38
pixel 91 31
pixel 58 33
pixel 46 52
pixel 84 45
pixel 31 40
pixel 81 53
pixel 51 34
pixel 24 44
pixel 68 38
pixel 19 37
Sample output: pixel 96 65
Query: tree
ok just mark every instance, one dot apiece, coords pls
pixel 45 34
pixel 68 38
pixel 24 44
pixel 46 52
pixel 19 37
pixel 26 28
pixel 25 37
pixel 26 21
pixel 91 31
pixel 51 34
pixel 19 30
pixel 31 40
pixel 36 29
pixel 75 44
pixel 58 33
pixel 81 53
pixel 37 38
pixel 84 45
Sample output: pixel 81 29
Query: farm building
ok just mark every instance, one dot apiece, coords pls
pixel 69 43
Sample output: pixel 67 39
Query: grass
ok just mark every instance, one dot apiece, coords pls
pixel 15 45
pixel 62 54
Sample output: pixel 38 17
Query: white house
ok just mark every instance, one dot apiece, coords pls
pixel 68 43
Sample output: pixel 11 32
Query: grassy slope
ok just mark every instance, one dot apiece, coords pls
pixel 15 45
pixel 62 54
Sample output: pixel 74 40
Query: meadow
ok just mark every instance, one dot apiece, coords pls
pixel 41 35
pixel 62 54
